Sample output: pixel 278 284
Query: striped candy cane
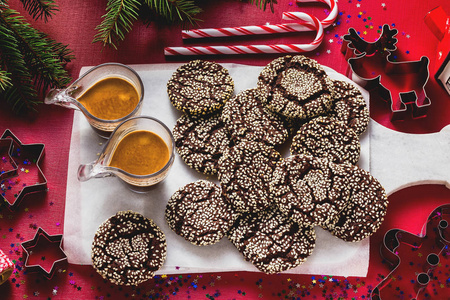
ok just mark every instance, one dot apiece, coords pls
pixel 298 26
pixel 306 19
pixel 293 16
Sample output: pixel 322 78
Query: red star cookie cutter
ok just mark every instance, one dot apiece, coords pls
pixel 44 253
pixel 27 176
pixel 8 167
pixel 402 84
pixel 417 259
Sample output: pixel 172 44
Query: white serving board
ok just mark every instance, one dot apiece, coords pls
pixel 90 203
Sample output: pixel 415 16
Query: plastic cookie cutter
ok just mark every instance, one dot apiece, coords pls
pixel 402 84
pixel 44 253
pixel 302 22
pixel 28 177
pixel 416 258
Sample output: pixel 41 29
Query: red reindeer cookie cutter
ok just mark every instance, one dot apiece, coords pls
pixel 416 258
pixel 400 83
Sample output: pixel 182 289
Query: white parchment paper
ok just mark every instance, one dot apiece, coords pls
pixel 90 203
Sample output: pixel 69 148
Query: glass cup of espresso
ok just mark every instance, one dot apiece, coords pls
pixel 140 151
pixel 106 94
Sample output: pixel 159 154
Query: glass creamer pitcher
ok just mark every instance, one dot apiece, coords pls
pixel 70 96
pixel 138 183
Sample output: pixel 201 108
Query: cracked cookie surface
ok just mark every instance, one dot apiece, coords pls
pixel 128 248
pixel 247 118
pixel 200 87
pixel 245 172
pixel 365 209
pixel 350 107
pixel 327 137
pixel 296 87
pixel 311 190
pixel 200 142
pixel 272 242
pixel 198 212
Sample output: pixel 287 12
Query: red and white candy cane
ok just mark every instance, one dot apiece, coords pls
pixel 306 19
pixel 325 22
pixel 246 30
pixel 298 26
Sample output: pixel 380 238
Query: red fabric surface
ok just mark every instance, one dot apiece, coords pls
pixel 75 25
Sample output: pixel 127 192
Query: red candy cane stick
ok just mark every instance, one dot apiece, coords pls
pixel 306 19
pixel 299 26
pixel 245 30
pixel 325 22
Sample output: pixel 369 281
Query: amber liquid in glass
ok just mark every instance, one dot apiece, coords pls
pixel 140 153
pixel 110 99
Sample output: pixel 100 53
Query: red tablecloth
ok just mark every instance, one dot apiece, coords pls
pixel 75 25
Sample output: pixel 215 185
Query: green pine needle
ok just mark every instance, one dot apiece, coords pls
pixel 5 80
pixel 176 10
pixel 40 9
pixel 30 62
pixel 117 21
pixel 120 15
pixel 262 4
pixel 21 94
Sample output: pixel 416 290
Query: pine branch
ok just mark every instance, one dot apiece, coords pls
pixel 32 61
pixel 5 80
pixel 262 4
pixel 176 10
pixel 44 65
pixel 117 21
pixel 21 94
pixel 40 9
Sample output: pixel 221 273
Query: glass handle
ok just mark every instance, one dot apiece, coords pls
pixel 92 170
pixel 61 97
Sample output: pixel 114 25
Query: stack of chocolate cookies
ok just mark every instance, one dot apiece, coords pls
pixel 265 204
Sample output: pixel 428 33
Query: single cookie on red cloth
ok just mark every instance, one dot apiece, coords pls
pixel 200 87
pixel 310 190
pixel 327 137
pixel 199 213
pixel 271 241
pixel 128 248
pixel 296 87
pixel 200 142
pixel 245 172
pixel 248 119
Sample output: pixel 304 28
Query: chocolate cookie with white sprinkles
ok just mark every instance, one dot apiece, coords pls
pixel 365 209
pixel 199 213
pixel 310 190
pixel 245 172
pixel 296 87
pixel 200 87
pixel 350 107
pixel 200 142
pixel 247 118
pixel 272 242
pixel 128 248
pixel 327 137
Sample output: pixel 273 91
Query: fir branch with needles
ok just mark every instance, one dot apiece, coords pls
pixel 117 21
pixel 262 4
pixel 40 9
pixel 30 61
pixel 121 14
